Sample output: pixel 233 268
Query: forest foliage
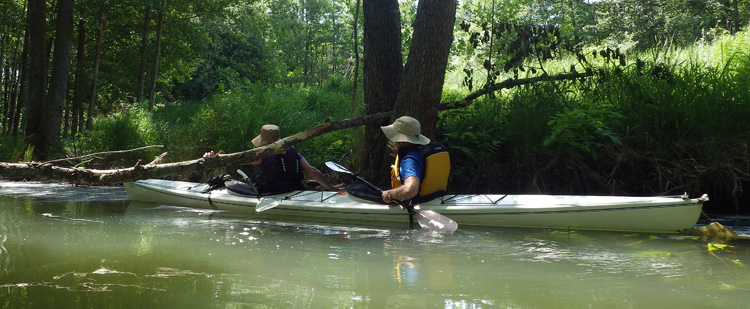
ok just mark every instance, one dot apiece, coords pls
pixel 661 108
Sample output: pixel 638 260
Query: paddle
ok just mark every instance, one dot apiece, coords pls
pixel 427 219
pixel 266 203
pixel 247 179
pixel 263 203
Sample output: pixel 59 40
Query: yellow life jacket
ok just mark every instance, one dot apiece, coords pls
pixel 436 173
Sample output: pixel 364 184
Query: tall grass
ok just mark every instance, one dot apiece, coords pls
pixel 11 148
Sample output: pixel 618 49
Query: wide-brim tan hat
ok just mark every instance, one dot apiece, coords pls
pixel 268 134
pixel 405 129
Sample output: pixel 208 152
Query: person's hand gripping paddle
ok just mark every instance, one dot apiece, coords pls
pixel 427 219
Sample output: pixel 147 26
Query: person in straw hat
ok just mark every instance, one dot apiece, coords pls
pixel 414 154
pixel 283 172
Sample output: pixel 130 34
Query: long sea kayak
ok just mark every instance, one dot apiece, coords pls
pixel 610 213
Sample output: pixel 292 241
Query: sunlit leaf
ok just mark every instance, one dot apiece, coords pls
pixel 738 263
pixel 716 247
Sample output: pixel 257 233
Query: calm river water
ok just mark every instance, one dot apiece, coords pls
pixel 63 246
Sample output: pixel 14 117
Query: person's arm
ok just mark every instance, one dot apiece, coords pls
pixel 316 175
pixel 408 190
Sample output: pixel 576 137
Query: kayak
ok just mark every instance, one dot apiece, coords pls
pixel 673 214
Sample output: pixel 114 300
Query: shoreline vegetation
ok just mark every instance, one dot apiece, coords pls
pixel 653 123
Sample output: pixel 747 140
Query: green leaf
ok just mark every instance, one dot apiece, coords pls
pixel 716 247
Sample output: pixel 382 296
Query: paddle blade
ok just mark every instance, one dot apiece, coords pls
pixel 266 204
pixel 431 220
pixel 338 168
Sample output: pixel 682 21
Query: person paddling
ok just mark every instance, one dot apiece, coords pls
pixel 284 172
pixel 421 168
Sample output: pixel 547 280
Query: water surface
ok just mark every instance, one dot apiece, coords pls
pixel 66 246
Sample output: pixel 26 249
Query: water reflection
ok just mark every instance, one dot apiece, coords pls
pixel 71 249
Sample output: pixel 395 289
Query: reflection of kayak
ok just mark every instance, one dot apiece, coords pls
pixel 613 213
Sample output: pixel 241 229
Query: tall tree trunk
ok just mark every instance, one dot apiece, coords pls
pixel 58 87
pixel 735 17
pixel 155 70
pixel 37 22
pixel 97 59
pixel 77 114
pixel 144 51
pixel 428 58
pixel 356 53
pixel 306 62
pixel 13 86
pixel 383 71
pixel 4 87
pixel 2 52
pixel 23 97
pixel 12 94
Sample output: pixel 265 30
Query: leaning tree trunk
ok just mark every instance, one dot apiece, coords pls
pixel 425 68
pixel 58 87
pixel 383 71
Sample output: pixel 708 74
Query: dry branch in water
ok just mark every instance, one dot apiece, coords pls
pixel 51 172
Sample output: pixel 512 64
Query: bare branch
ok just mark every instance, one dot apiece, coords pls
pixel 510 83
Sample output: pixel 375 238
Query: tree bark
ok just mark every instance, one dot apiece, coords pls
pixel 77 114
pixel 155 70
pixel 144 51
pixel 12 90
pixel 53 110
pixel 4 79
pixel 23 98
pixel 47 171
pixel 356 52
pixel 383 72
pixel 37 22
pixel 97 59
pixel 425 68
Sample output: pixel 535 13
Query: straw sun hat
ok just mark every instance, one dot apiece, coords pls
pixel 405 129
pixel 268 134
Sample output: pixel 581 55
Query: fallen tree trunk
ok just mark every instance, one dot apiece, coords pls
pixel 50 172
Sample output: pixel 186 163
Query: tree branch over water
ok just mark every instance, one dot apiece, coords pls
pixel 83 176
pixel 510 83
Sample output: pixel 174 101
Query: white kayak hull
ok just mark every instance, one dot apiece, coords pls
pixel 609 213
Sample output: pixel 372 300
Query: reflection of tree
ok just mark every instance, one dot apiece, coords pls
pixel 10 229
pixel 405 269
pixel 430 266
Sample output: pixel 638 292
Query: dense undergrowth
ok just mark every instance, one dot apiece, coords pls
pixel 664 123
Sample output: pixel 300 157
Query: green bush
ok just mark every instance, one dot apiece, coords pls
pixel 11 148
pixel 121 131
pixel 230 121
